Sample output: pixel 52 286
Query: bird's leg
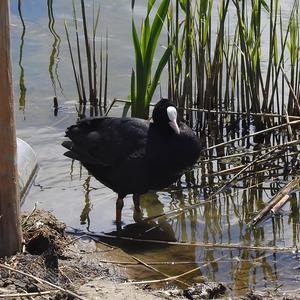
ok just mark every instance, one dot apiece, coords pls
pixel 138 214
pixel 119 206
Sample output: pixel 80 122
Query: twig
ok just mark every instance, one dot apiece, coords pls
pixel 157 271
pixel 279 204
pixel 297 141
pixel 196 244
pixel 117 262
pixel 174 263
pixel 282 193
pixel 110 106
pixel 40 280
pixel 264 162
pixel 17 295
pixel 174 277
pixel 252 135
pixel 215 193
pixel 31 213
pixel 65 275
pixel 223 112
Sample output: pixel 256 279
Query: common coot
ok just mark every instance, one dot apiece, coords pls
pixel 132 156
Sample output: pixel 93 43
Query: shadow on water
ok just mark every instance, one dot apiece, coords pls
pixel 22 99
pixel 54 55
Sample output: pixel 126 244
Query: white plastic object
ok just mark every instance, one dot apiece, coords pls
pixel 27 165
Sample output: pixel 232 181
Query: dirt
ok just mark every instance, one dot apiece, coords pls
pixel 57 266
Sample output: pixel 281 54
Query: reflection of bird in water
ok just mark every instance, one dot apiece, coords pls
pixel 148 230
pixel 131 155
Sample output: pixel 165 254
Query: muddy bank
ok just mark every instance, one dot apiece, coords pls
pixel 57 266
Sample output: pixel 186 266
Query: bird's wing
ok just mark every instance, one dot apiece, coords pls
pixel 107 141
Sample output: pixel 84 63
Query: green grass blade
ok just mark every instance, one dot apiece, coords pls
pixel 140 81
pixel 162 63
pixel 150 5
pixel 145 36
pixel 154 35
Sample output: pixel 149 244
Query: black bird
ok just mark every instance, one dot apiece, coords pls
pixel 132 156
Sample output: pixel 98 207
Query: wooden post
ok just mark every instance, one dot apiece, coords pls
pixel 10 228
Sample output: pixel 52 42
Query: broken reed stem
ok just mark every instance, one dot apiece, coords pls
pixel 191 244
pixel 174 263
pixel 240 172
pixel 252 135
pixel 214 194
pixel 29 216
pixel 220 112
pixel 281 194
pixel 40 280
pixel 297 141
pixel 159 263
pixel 157 271
pixel 279 204
pixel 18 295
pixel 174 277
pixel 237 168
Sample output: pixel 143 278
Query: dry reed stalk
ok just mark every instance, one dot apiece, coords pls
pixel 297 141
pixel 220 112
pixel 157 271
pixel 278 197
pixel 211 197
pixel 166 263
pixel 279 204
pixel 19 295
pixel 174 277
pixel 42 281
pixel 154 263
pixel 194 244
pixel 253 134
pixel 262 161
pixel 29 215
pixel 250 173
pixel 203 202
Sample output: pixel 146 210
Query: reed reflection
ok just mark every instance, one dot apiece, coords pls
pixel 85 213
pixel 22 98
pixel 54 55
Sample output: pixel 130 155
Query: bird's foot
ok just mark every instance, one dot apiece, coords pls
pixel 119 225
pixel 138 215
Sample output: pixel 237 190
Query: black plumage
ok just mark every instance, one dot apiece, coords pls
pixel 132 156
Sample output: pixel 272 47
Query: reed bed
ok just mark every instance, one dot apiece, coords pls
pixel 224 60
pixel 231 62
pixel 90 69
pixel 235 79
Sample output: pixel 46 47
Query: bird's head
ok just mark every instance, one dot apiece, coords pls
pixel 165 115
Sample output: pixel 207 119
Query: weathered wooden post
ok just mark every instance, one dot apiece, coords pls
pixel 10 228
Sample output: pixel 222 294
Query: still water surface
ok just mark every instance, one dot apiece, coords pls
pixel 42 70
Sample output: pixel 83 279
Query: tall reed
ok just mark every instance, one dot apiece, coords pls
pixel 91 67
pixel 236 68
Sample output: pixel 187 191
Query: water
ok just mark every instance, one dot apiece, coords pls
pixel 42 70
